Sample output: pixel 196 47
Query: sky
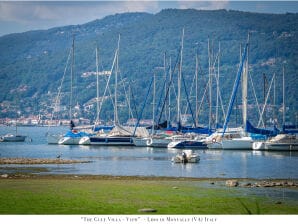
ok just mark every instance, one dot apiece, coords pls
pixel 21 16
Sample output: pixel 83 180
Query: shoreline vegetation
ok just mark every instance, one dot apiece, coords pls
pixel 89 194
pixel 28 190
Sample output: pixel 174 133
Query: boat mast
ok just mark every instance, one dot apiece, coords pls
pixel 165 78
pixel 116 119
pixel 179 80
pixel 244 87
pixel 153 105
pixel 169 95
pixel 97 88
pixel 210 85
pixel 283 96
pixel 217 87
pixel 71 80
pixel 196 80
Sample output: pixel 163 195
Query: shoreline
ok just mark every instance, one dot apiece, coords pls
pixel 33 161
pixel 34 173
pixel 229 182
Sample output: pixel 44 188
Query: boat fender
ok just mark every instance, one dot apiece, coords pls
pixel 149 141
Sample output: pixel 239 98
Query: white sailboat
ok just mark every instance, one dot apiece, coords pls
pixel 16 137
pixel 13 137
pixel 281 142
pixel 54 138
pixel 119 135
pixel 243 141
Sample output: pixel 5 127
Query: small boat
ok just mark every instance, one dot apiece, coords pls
pixel 12 138
pixel 187 156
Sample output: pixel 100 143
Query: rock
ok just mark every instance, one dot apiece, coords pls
pixel 247 185
pixel 4 175
pixel 232 183
pixel 175 187
pixel 147 210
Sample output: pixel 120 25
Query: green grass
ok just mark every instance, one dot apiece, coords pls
pixel 95 196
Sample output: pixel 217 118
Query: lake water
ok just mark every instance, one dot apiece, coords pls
pixel 128 161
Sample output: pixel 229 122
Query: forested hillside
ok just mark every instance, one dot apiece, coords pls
pixel 33 63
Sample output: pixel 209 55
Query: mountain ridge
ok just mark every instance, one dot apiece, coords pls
pixel 37 59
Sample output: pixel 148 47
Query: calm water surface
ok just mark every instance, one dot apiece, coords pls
pixel 148 161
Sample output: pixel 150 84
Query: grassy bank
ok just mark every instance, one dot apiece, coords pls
pixel 88 195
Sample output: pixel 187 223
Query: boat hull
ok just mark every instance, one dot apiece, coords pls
pixel 84 141
pixel 214 145
pixel 13 138
pixel 112 141
pixel 69 141
pixel 54 139
pixel 188 144
pixel 258 146
pixel 158 142
pixel 241 143
pixel 140 142
pixel 281 146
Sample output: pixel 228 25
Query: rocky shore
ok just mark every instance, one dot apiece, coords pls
pixel 262 183
pixel 31 161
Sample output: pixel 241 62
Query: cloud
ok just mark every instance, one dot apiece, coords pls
pixel 49 13
pixel 20 16
pixel 203 5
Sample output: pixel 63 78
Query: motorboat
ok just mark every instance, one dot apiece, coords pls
pixel 187 156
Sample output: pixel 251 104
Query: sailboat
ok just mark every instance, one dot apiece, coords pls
pixel 74 135
pixel 85 140
pixel 156 140
pixel 284 141
pixel 119 135
pixel 243 141
pixel 13 137
pixel 53 138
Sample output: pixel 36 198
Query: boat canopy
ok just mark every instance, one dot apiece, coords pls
pixel 76 134
pixel 128 131
pixel 251 129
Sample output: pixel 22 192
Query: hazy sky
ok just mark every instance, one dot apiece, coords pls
pixel 20 16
